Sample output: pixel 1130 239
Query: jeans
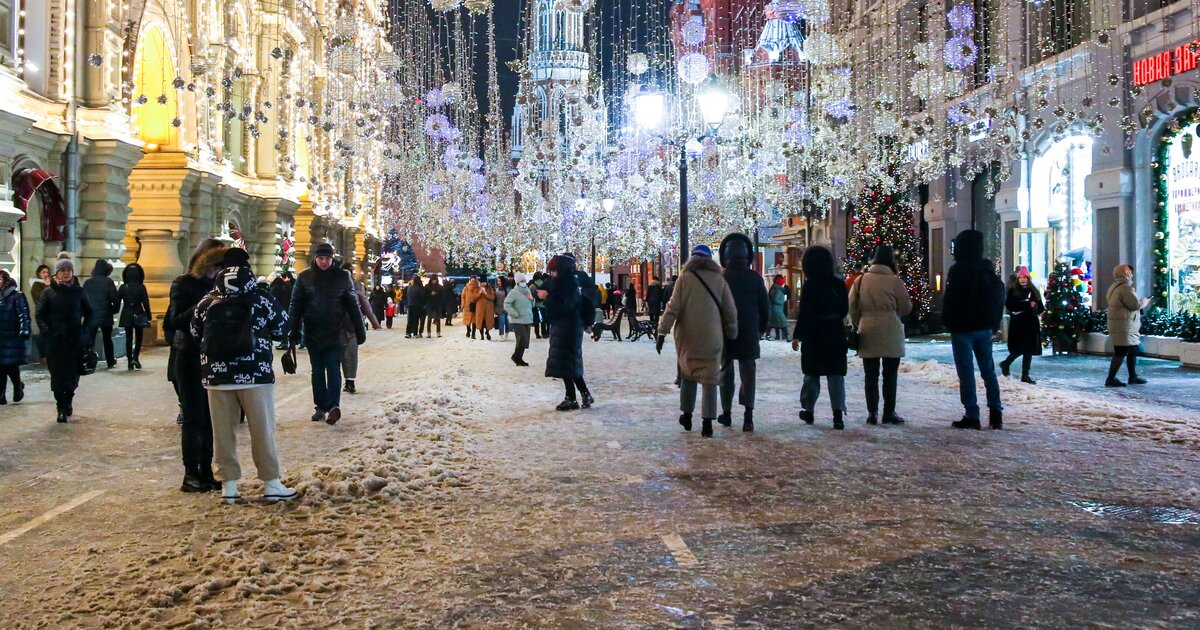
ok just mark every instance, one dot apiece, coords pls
pixel 747 371
pixel 326 376
pixel 133 343
pixel 502 326
pixel 811 390
pixel 708 399
pixel 970 347
pixel 891 366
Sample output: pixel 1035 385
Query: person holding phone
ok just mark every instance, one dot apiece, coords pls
pixel 1124 325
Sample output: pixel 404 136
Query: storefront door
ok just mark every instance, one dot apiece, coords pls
pixel 1035 249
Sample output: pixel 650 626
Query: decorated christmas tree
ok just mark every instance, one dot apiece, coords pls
pixel 1066 316
pixel 882 218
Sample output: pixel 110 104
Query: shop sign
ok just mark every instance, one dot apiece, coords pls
pixel 1165 64
pixel 979 129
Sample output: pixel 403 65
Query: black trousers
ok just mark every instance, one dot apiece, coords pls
pixel 891 368
pixel 9 373
pixel 522 332
pixel 1026 361
pixel 748 375
pixel 413 326
pixel 133 343
pixel 195 434
pixel 109 353
pixel 1128 354
pixel 389 321
pixel 433 318
pixel 572 384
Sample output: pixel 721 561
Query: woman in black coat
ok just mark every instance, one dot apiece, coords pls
pixel 1025 308
pixel 562 311
pixel 378 301
pixel 61 313
pixel 135 312
pixel 750 297
pixel 14 337
pixel 820 333
pixel 195 430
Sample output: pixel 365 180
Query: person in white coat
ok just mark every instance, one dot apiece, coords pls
pixel 1124 326
pixel 878 300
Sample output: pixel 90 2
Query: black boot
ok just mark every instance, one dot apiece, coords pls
pixel 567 404
pixel 748 421
pixel 1134 379
pixel 1025 379
pixel 192 481
pixel 892 418
pixel 1004 367
pixel 588 401
pixel 837 421
pixel 872 418
pixel 807 417
pixel 206 476
pixel 349 387
pixel 725 419
pixel 19 391
pixel 966 423
pixel 706 429
pixel 685 421
pixel 995 419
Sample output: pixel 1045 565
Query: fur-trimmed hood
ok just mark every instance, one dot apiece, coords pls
pixel 202 263
pixel 702 263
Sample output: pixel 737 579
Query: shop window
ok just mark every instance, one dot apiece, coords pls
pixel 1058 203
pixel 1183 220
pixel 8 32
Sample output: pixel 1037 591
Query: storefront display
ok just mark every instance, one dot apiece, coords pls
pixel 1060 223
pixel 1180 218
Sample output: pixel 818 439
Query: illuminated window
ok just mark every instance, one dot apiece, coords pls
pixel 153 73
pixel 8 32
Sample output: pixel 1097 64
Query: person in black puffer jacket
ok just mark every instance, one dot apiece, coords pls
pixel 61 314
pixel 820 333
pixel 15 330
pixel 183 366
pixel 324 306
pixel 101 293
pixel 971 310
pixel 750 297
pixel 135 312
pixel 562 307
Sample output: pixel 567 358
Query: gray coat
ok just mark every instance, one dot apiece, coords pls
pixel 1124 314
pixel 699 323
pixel 519 305
pixel 878 300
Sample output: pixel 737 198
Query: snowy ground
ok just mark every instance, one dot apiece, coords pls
pixel 452 495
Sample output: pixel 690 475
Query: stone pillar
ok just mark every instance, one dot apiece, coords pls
pixel 9 217
pixel 263 234
pixel 303 223
pixel 104 200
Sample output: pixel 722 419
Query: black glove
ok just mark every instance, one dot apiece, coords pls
pixel 362 339
pixel 658 344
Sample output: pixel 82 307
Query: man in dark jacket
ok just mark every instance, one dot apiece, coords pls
pixel 971 311
pixel 62 311
pixel 414 297
pixel 101 294
pixel 281 290
pixel 654 301
pixel 325 307
pixel 750 297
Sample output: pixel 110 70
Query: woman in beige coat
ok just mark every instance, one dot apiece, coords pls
pixel 701 315
pixel 1124 325
pixel 470 294
pixel 878 300
pixel 485 310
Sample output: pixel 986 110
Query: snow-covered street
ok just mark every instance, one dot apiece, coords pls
pixel 452 494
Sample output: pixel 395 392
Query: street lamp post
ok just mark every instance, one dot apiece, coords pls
pixel 713 102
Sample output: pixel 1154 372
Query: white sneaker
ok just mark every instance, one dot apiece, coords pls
pixel 229 492
pixel 274 490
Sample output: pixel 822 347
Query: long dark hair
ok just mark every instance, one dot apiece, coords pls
pixel 1014 284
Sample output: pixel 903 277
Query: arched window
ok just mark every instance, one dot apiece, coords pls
pixel 153 73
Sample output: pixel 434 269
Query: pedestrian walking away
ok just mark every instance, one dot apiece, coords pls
pixel 654 303
pixel 501 311
pixel 434 305
pixel 563 302
pixel 101 294
pixel 281 290
pixel 750 300
pixel 414 298
pixel 820 334
pixel 324 308
pixel 350 357
pixel 15 330
pixel 379 303
pixel 1025 308
pixel 237 325
pixel 972 309
pixel 701 317
pixel 1124 326
pixel 778 296
pixel 62 313
pixel 184 368
pixel 878 303
pixel 519 306
pixel 135 312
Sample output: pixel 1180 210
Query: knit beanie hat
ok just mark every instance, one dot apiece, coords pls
pixel 323 249
pixel 64 263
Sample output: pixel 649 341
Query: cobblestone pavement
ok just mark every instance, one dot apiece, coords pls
pixel 452 495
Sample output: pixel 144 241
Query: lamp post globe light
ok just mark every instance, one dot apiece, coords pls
pixel 649 111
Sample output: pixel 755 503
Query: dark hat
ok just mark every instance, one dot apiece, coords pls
pixel 324 249
pixel 235 257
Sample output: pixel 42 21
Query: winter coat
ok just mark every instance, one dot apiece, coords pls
pixel 134 298
pixel 414 299
pixel 565 359
pixel 1124 314
pixel 268 323
pixel 821 328
pixel 519 305
pixel 778 299
pixel 750 298
pixel 434 301
pixel 325 306
pixel 1024 322
pixel 974 298
pixel 379 299
pixel 699 323
pixel 101 294
pixel 61 313
pixel 364 304
pixel 470 295
pixel 15 326
pixel 485 308
pixel 654 303
pixel 878 300
pixel 501 295
pixel 281 290
pixel 186 292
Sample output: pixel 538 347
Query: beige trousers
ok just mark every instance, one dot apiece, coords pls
pixel 226 406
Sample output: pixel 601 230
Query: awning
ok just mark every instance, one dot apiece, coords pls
pixel 31 181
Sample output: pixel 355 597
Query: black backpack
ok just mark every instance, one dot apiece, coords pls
pixel 228 329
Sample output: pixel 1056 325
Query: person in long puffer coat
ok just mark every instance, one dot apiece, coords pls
pixel 135 312
pixel 562 300
pixel 1025 308
pixel 701 316
pixel 778 297
pixel 820 334
pixel 485 310
pixel 750 298
pixel 15 330
pixel 62 313
pixel 878 299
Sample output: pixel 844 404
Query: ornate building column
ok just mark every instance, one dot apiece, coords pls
pixel 303 222
pixel 104 200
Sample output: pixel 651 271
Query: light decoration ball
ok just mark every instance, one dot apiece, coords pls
pixel 694 68
pixel 638 64
pixel 694 32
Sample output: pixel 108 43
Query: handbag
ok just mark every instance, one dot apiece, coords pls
pixel 288 360
pixel 87 361
pixel 141 320
pixel 852 336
